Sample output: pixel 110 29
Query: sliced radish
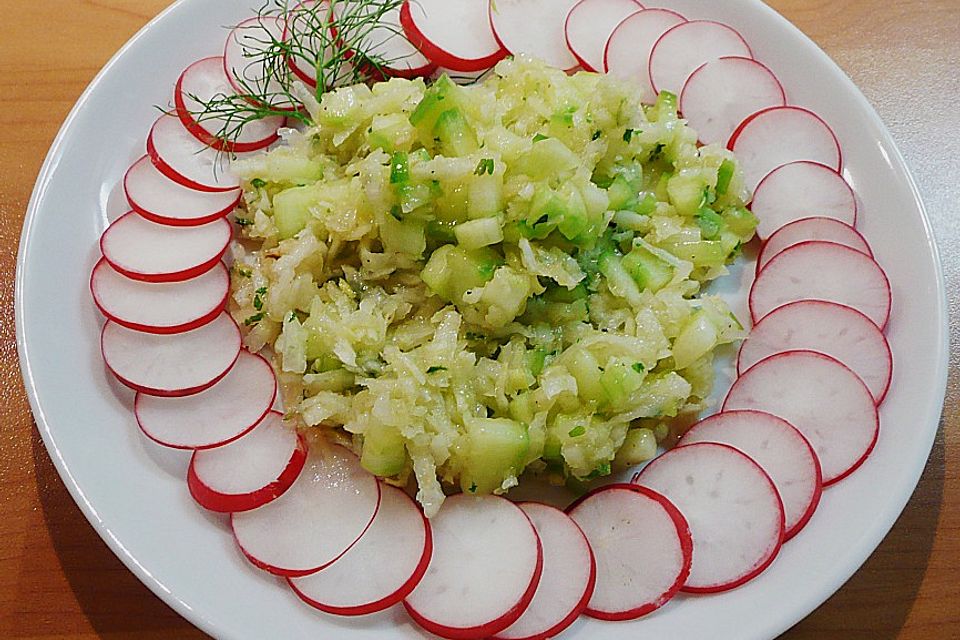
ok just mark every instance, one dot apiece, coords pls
pixel 779 449
pixel 569 576
pixel 734 511
pixel 805 229
pixel 534 28
pixel 721 93
pixel 386 42
pixel 185 160
pixel 317 520
pixel 311 25
pixel 801 189
pixel 627 52
pixel 822 271
pixel 778 135
pixel 159 307
pixel 642 546
pixel 822 398
pixel 834 329
pixel 685 47
pixel 487 561
pixel 455 34
pixel 381 569
pixel 171 365
pixel 160 199
pixel 588 27
pixel 248 60
pixel 144 250
pixel 202 83
pixel 213 417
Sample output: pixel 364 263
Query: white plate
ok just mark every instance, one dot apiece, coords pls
pixel 134 494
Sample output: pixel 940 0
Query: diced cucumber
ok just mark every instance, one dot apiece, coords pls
pixel 702 253
pixel 407 236
pixel 383 453
pixel 399 169
pixel 291 210
pixel 686 193
pixel 505 296
pixel 724 176
pixel 483 232
pixel 650 272
pixel 456 136
pixel 452 270
pixel 619 381
pixel 497 448
pixel 639 446
pixel 710 223
pixel 619 281
pixel 484 196
pixel 584 367
pixel 698 336
pixel 391 132
pixel 555 293
pixel 575 219
pixel 522 408
pixel 548 159
pixel 741 221
pixel 441 96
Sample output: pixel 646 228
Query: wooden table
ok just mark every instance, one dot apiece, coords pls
pixel 58 580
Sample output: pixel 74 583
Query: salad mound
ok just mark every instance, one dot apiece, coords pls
pixel 465 283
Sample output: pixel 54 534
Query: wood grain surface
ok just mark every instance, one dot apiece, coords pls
pixel 58 580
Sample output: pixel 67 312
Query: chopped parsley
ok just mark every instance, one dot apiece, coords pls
pixel 258 298
pixel 244 222
pixel 485 166
pixel 435 369
pixel 638 367
pixel 254 319
pixel 257 183
pixel 628 135
pixel 539 137
pixel 596 134
pixel 577 431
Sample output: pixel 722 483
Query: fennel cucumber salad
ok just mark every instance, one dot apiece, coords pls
pixel 470 283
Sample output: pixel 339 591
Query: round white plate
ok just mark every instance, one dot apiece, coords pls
pixel 134 494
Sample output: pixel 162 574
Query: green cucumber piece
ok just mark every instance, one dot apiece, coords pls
pixel 496 450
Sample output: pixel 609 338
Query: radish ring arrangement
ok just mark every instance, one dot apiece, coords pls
pixel 802 415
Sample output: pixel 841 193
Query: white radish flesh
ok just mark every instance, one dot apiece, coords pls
pixel 316 521
pixel 381 569
pixel 822 398
pixel 144 250
pixel 185 160
pixel 455 34
pixel 159 307
pixel 487 561
pixel 684 48
pixel 588 27
pixel 569 576
pixel 806 229
pixel 534 28
pixel 386 42
pixel 818 270
pixel 642 546
pixel 734 512
pixel 801 189
pixel 627 52
pixel 834 329
pixel 213 417
pixel 171 365
pixel 720 94
pixel 163 200
pixel 778 135
pixel 779 449
pixel 246 54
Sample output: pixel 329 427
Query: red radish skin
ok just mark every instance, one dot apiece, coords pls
pixel 187 161
pixel 589 25
pixel 780 450
pixel 836 330
pixel 162 200
pixel 386 40
pixel 534 28
pixel 385 565
pixel 687 46
pixel 144 250
pixel 175 365
pixel 644 520
pixel 816 270
pixel 159 307
pixel 720 94
pixel 807 229
pixel 216 416
pixel 734 511
pixel 243 59
pixel 822 398
pixel 436 27
pixel 801 189
pixel 627 52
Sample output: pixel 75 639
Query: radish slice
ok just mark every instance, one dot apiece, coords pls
pixel 151 252
pixel 214 417
pixel 187 161
pixel 203 82
pixel 387 43
pixel 302 23
pixel 778 135
pixel 822 271
pixel 381 569
pixel 627 52
pixel 159 307
pixel 797 190
pixel 822 398
pixel 248 55
pixel 643 549
pixel 171 365
pixel 779 449
pixel 685 47
pixel 250 471
pixel 734 511
pixel 534 28
pixel 588 27
pixel 487 561
pixel 455 34
pixel 569 576
pixel 324 513
pixel 816 228
pixel 834 329
pixel 720 94
pixel 162 200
